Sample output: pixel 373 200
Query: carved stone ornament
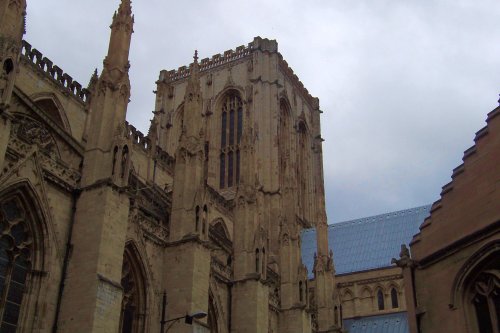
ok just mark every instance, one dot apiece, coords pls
pixel 34 132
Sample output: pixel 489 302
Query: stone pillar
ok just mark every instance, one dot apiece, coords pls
pixel 92 297
pixel 187 277
pixel 250 306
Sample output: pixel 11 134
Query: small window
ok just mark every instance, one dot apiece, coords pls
pixel 257 261
pixel 197 219
pixel 301 292
pixel 394 298
pixel 8 66
pixel 124 161
pixel 115 152
pixel 380 300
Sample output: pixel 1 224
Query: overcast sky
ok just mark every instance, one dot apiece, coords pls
pixel 404 84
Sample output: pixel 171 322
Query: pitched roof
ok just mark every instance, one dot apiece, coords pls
pixel 366 243
pixel 388 323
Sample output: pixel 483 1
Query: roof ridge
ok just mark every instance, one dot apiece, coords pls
pixel 375 218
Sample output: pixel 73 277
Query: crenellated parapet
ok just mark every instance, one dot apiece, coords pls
pixel 54 72
pixel 294 79
pixel 144 143
pixel 208 63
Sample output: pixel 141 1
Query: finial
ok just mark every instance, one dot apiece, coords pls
pixel 195 57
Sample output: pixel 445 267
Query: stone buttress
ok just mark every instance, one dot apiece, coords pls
pixel 92 297
pixel 12 14
pixel 188 253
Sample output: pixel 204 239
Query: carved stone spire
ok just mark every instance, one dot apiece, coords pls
pixel 116 64
pixel 193 87
pixel 110 93
pixel 193 101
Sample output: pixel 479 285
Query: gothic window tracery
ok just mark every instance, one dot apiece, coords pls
pixel 483 294
pixel 15 262
pixel 132 319
pixel 284 139
pixel 231 131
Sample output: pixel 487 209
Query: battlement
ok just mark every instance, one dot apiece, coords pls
pixel 263 44
pixel 208 63
pixel 54 72
pixel 288 71
pixel 144 143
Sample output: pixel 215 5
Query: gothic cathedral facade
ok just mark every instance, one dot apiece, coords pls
pixel 100 223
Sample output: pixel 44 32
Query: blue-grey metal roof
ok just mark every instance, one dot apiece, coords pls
pixel 366 243
pixel 388 323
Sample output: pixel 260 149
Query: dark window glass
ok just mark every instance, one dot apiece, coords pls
pixel 231 127
pixel 240 123
pixel 483 314
pixel 394 298
pixel 222 170
pixel 13 268
pixel 223 130
pixel 197 219
pixel 11 211
pixel 257 261
pixel 231 132
pixel 380 300
pixel 237 167
pixel 230 169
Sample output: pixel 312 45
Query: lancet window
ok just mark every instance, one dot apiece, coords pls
pixel 394 298
pixel 380 300
pixel 132 319
pixel 15 262
pixel 231 131
pixel 483 294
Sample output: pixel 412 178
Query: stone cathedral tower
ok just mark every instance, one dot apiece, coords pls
pixel 205 210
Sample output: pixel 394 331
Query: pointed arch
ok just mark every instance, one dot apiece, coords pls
pixel 24 250
pixel 216 315
pixel 476 289
pixel 304 167
pixel 174 125
pixel 134 281
pixel 52 106
pixel 230 116
pixel 380 299
pixel 284 139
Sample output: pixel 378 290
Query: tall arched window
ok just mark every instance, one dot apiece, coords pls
pixel 284 141
pixel 301 292
pixel 134 295
pixel 394 298
pixel 231 131
pixel 303 170
pixel 483 294
pixel 15 262
pixel 380 300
